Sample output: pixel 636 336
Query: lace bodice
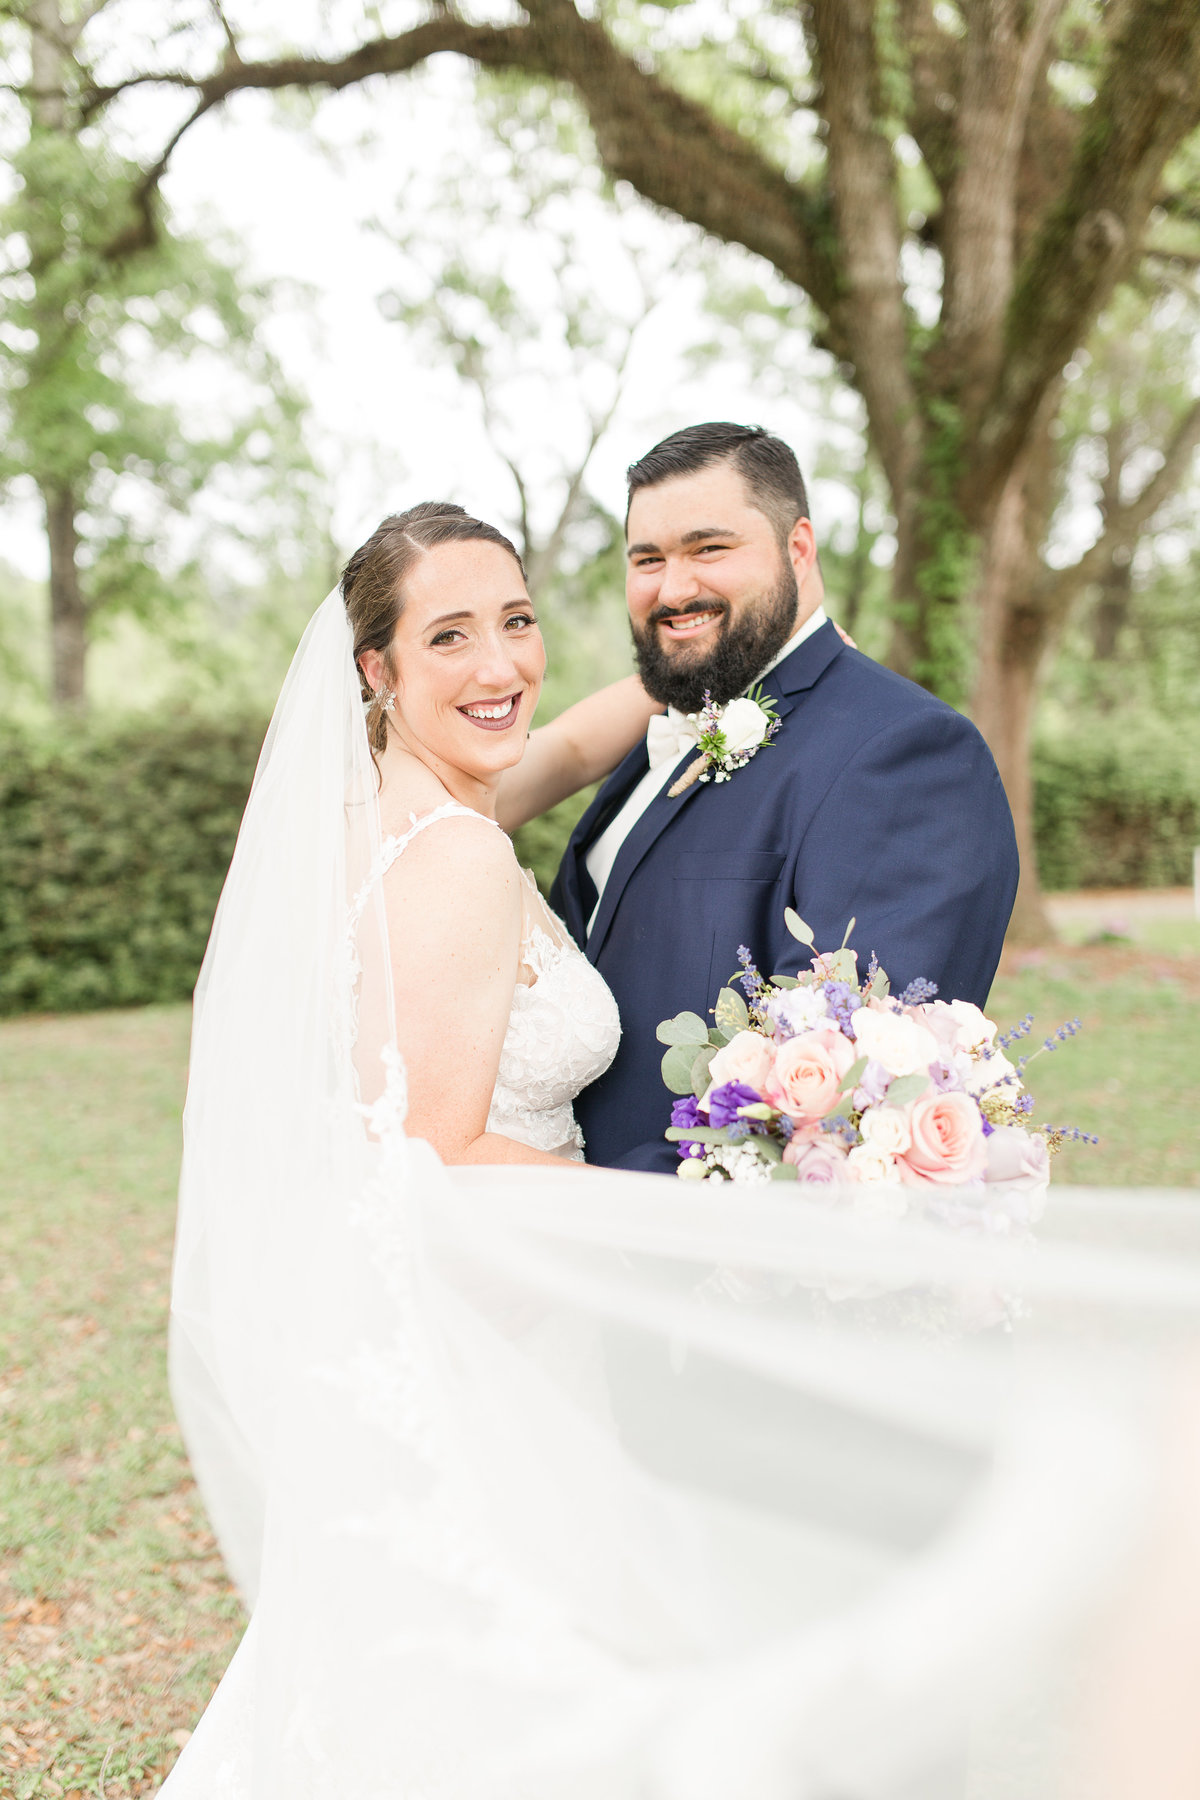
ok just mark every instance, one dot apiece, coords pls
pixel 563 1029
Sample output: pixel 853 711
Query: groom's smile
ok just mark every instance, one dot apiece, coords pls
pixel 713 590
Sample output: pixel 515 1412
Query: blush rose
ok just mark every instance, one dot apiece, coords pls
pixel 747 1058
pixel 807 1073
pixel 948 1145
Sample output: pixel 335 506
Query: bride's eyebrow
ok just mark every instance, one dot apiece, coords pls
pixel 449 618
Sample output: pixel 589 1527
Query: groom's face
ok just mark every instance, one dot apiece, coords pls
pixel 712 594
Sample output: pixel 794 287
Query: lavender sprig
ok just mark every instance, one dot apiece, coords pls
pixel 918 991
pixel 752 982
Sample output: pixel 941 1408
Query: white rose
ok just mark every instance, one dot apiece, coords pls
pixel 985 1072
pixel 973 1027
pixel 903 1046
pixel 885 1128
pixel 866 1163
pixel 744 725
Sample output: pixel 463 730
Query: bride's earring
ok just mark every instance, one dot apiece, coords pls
pixel 385 698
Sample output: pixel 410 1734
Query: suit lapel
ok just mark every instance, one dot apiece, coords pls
pixel 657 816
pixel 577 894
pixel 790 678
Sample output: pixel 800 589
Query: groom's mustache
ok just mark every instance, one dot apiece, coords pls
pixel 657 614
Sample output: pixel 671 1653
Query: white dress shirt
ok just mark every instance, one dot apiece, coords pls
pixel 666 741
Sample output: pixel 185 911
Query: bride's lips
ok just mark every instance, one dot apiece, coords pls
pixel 493 715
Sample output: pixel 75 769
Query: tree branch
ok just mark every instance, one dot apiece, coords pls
pixel 1058 588
pixel 934 69
pixel 1148 100
pixel 999 68
pixel 668 147
pixel 862 181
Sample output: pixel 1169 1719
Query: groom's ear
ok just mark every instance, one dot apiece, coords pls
pixel 802 549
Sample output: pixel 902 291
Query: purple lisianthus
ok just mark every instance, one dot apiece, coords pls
pixel 872 1086
pixel 685 1114
pixel 724 1102
pixel 944 1076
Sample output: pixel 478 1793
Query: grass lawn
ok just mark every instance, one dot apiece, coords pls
pixel 116 1616
pixel 1130 1076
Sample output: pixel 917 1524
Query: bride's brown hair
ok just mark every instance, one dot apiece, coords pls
pixel 373 583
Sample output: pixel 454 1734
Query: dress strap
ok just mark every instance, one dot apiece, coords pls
pixel 395 842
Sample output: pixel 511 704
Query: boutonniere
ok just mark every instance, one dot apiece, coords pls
pixel 729 736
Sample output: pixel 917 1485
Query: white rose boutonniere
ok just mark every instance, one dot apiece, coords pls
pixel 729 736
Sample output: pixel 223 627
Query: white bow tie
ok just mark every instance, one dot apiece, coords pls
pixel 669 735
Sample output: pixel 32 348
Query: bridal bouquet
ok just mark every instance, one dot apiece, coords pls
pixel 826 1080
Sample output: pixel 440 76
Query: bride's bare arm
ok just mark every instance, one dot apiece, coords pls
pixel 584 743
pixel 454 927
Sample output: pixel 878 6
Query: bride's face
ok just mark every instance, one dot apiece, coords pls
pixel 468 657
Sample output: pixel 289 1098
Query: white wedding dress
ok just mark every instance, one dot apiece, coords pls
pixel 526 1508
pixel 564 1027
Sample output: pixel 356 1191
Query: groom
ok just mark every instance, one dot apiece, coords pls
pixel 873 799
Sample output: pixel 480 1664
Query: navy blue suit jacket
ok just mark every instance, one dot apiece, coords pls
pixel 874 800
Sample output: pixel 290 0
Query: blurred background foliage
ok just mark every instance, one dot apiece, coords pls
pixel 201 541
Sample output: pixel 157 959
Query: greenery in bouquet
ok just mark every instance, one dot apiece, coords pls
pixel 836 1082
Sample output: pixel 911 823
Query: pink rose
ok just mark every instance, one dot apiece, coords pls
pixel 807 1074
pixel 747 1058
pixel 948 1145
pixel 815 1162
pixel 958 1024
pixel 1018 1163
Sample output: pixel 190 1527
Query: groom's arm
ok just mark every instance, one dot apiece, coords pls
pixel 914 839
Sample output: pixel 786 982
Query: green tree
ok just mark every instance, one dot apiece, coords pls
pixel 96 316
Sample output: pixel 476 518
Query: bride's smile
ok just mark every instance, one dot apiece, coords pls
pixel 465 662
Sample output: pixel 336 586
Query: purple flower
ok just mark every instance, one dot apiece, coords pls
pixel 724 1101
pixel 918 991
pixel 685 1114
pixel 841 1000
pixel 944 1076
pixel 872 1086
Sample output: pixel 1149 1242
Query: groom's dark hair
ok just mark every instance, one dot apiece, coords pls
pixel 766 465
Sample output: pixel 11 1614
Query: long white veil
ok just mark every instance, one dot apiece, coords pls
pixel 604 1486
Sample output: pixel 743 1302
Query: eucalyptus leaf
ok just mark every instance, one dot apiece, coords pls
pixel 699 1081
pixel 767 1149
pixel 849 929
pixel 731 1011
pixel 718 1037
pixel 784 1172
pixel 695 1134
pixel 677 1067
pixel 797 927
pixel 880 987
pixel 784 981
pixel 684 1028
pixel 906 1088
pixel 853 1076
pixel 843 966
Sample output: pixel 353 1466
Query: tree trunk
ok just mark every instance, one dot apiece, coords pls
pixel 1011 642
pixel 68 611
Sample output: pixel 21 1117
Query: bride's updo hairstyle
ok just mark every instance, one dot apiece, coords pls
pixel 373 583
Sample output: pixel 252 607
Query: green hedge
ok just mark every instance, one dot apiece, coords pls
pixel 1117 805
pixel 113 849
pixel 114 846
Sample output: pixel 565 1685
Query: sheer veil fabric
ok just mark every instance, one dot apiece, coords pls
pixel 603 1487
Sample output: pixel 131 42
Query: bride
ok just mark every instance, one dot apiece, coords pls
pixel 451 658
pixel 529 1496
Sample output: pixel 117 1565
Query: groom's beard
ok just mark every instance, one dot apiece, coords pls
pixel 741 653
